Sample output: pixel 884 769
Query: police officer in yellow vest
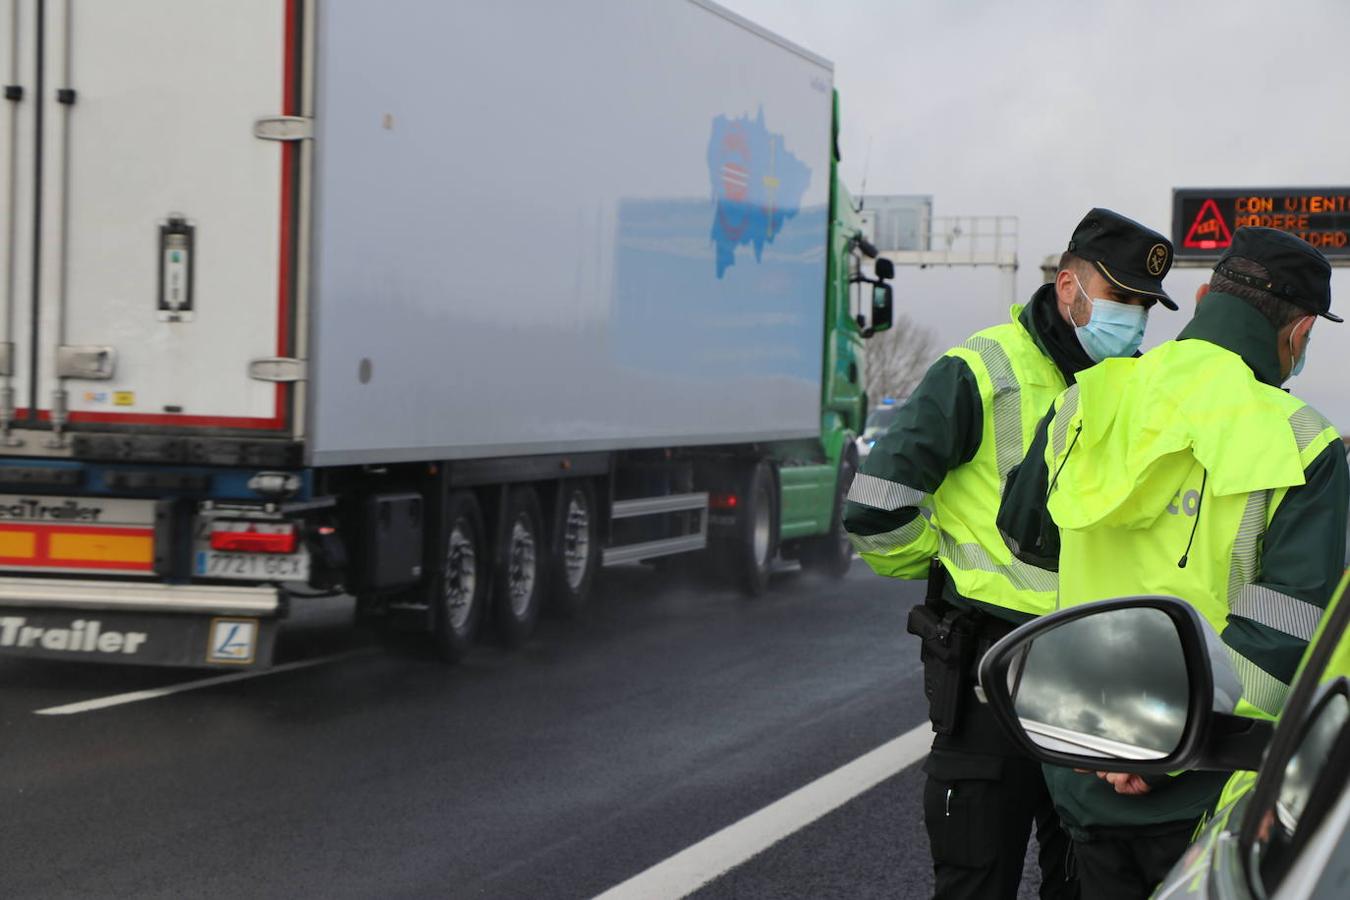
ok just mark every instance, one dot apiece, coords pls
pixel 924 505
pixel 1189 472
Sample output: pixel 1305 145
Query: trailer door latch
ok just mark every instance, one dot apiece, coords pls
pixel 277 368
pixel 284 128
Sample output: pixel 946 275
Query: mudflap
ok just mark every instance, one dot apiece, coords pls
pixel 139 638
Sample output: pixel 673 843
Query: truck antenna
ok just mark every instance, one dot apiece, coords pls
pixel 862 191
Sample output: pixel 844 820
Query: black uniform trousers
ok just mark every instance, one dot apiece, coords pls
pixel 1128 863
pixel 981 798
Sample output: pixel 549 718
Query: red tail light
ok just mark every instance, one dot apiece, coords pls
pixel 722 501
pixel 254 537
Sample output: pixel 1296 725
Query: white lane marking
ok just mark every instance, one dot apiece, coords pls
pixel 695 866
pixel 151 694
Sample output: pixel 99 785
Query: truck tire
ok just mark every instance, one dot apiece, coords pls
pixel 748 553
pixel 518 582
pixel 831 554
pixel 575 553
pixel 459 588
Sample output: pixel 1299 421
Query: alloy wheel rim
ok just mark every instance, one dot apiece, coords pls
pixel 577 540
pixel 461 575
pixel 763 527
pixel 521 575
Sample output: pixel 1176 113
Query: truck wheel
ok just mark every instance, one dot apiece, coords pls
pixel 460 588
pixel 518 583
pixel 575 554
pixel 749 553
pixel 832 553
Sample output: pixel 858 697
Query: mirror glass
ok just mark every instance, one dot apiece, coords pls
pixel 1306 764
pixel 1112 684
pixel 881 307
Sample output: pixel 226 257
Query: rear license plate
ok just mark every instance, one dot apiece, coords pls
pixel 253 566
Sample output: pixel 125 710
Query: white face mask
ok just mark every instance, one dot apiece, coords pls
pixel 1114 329
pixel 1298 363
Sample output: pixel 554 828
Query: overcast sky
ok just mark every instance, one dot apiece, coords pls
pixel 1043 110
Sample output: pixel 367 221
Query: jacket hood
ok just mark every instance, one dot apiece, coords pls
pixel 1145 422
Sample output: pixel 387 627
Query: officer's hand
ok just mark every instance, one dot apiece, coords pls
pixel 1125 783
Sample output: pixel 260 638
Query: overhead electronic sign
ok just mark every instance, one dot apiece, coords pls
pixel 1204 219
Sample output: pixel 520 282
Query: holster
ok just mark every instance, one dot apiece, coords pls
pixel 947 637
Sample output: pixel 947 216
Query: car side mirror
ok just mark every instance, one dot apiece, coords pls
pixel 1137 684
pixel 884 269
pixel 881 308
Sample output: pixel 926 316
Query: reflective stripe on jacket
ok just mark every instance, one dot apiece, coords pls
pixel 1017 383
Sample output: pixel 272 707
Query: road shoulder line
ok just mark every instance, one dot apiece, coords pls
pixel 152 693
pixel 695 866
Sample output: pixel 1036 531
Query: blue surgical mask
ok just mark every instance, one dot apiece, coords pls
pixel 1115 329
pixel 1298 363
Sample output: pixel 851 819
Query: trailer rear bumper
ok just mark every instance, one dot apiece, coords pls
pixel 141 623
pixel 139 596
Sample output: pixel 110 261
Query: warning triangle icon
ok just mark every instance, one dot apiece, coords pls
pixel 1209 231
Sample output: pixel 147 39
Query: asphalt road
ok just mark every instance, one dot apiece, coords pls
pixel 559 770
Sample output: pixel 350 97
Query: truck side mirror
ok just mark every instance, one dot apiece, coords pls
pixel 881 308
pixel 1138 684
pixel 884 269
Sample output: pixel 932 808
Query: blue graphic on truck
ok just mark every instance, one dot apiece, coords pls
pixel 757 185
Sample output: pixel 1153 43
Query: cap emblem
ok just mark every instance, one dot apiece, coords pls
pixel 1157 259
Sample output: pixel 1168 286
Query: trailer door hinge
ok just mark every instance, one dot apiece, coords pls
pixel 86 363
pixel 284 128
pixel 277 368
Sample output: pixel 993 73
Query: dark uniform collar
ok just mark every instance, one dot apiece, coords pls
pixel 1053 335
pixel 1232 324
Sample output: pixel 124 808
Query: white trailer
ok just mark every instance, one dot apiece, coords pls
pixel 430 302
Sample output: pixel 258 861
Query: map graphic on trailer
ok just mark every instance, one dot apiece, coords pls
pixel 757 186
